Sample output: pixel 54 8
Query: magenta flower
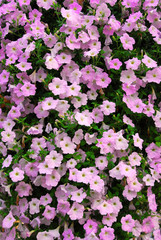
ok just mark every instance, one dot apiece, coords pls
pixel 147 225
pixel 115 64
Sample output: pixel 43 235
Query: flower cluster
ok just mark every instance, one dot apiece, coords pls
pixel 80 119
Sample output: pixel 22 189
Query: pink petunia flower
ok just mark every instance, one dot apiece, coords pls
pixel 34 206
pixel 58 86
pixel 54 159
pixel 67 145
pixel 17 174
pixel 127 41
pixel 90 226
pixel 97 184
pixel 23 189
pixel 8 221
pixel 108 107
pixel 127 223
pixel 137 141
pixel 107 233
pixel 52 179
pixel 24 66
pixel 76 211
pixel 49 213
pixel 68 235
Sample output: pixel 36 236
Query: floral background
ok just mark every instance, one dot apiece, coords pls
pixel 80 119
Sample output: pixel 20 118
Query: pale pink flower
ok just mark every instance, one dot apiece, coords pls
pixel 58 86
pixel 149 62
pixel 34 206
pixel 44 235
pixel 90 226
pixel 116 172
pixel 109 219
pixel 127 223
pixel 157 119
pixel 8 221
pixel 45 200
pixel 49 213
pixel 7 161
pixel 96 184
pixel 107 233
pixel 126 170
pixel 135 159
pixel 105 207
pixel 63 58
pixel 8 136
pixel 17 174
pixel 108 107
pixel 52 179
pixel 137 229
pixel 54 159
pixel 128 76
pixel 76 211
pixel 127 41
pixel 134 184
pixel 78 136
pixel 67 146
pixel 78 195
pixel 133 63
pixel 101 162
pixel 49 103
pixel 121 143
pixel 71 163
pixel 51 63
pixel 24 66
pixel 82 176
pixel 149 180
pixel 129 194
pixel 82 119
pixel 137 141
pixel 44 168
pixel 128 121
